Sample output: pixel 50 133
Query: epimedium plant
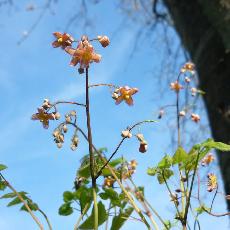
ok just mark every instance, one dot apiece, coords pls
pixel 104 187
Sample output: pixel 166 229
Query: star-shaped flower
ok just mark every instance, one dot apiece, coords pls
pixel 176 86
pixel 84 54
pixel 125 94
pixel 43 117
pixel 63 40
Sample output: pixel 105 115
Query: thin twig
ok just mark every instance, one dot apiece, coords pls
pixel 119 145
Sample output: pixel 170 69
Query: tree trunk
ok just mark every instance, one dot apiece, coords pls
pixel 204 28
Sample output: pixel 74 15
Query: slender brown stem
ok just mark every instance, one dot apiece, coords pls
pixel 119 145
pixel 91 152
pixel 46 218
pixel 24 202
pixel 102 84
pixel 68 102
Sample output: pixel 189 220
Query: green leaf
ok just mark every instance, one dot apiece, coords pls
pixel 15 201
pixel 8 195
pixel 116 162
pixel 201 209
pixel 86 197
pixel 180 156
pixel 33 207
pixel 164 175
pixel 2 167
pixel 65 209
pixel 152 171
pixel 68 196
pixel 166 162
pixel 118 221
pixel 111 194
pixel 102 217
pixel 216 145
pixel 2 185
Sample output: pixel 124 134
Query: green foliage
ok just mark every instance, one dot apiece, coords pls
pixel 65 209
pixel 2 167
pixel 112 195
pixel 16 200
pixel 118 221
pixel 180 156
pixel 102 217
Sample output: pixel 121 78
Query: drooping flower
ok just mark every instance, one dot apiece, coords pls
pixel 84 54
pixel 212 182
pixel 161 113
pixel 182 113
pixel 176 86
pixel 109 181
pixel 194 91
pixel 43 117
pixel 62 40
pixel 104 40
pixel 187 79
pixel 125 94
pixel 143 146
pixel 209 158
pixel 189 66
pixel 126 134
pixel 195 117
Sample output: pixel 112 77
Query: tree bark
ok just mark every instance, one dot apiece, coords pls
pixel 204 28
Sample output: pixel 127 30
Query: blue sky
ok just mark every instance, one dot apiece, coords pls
pixel 34 71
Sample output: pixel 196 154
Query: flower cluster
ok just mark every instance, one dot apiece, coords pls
pixel 176 86
pixel 188 67
pixel 84 53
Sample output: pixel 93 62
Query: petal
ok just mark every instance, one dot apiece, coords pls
pixel 133 91
pixel 96 57
pixel 57 34
pixel 70 50
pixel 45 124
pixel 34 117
pixel 55 44
pixel 129 101
pixel 74 61
pixel 119 100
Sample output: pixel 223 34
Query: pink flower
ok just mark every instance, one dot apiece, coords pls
pixel 63 40
pixel 176 86
pixel 43 117
pixel 84 54
pixel 125 94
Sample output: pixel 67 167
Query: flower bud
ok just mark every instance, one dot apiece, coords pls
pixel 143 147
pixel 115 96
pixel 68 119
pixel 126 134
pixel 65 129
pixel 104 40
pixel 59 145
pixel 182 113
pixel 57 115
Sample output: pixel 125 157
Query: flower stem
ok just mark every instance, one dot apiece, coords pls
pixel 91 152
